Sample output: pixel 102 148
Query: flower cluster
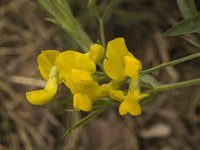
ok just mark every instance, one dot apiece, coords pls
pixel 78 72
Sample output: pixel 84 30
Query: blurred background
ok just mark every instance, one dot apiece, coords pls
pixel 171 122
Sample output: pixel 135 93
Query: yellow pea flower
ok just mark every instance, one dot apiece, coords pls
pixel 119 62
pixel 131 105
pixel 77 69
pixel 46 66
pixel 130 102
pixel 40 97
pixel 96 52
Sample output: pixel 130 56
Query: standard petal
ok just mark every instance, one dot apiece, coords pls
pixel 46 60
pixel 82 102
pixel 70 59
pixel 117 46
pixel 114 68
pixel 132 67
pixel 114 63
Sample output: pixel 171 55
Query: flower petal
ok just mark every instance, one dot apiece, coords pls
pixel 130 107
pixel 46 60
pixel 81 76
pixel 117 46
pixel 90 88
pixel 96 52
pixel 114 63
pixel 82 102
pixel 70 59
pixel 114 69
pixel 40 97
pixel 116 94
pixel 132 67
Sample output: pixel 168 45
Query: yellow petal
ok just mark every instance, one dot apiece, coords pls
pixel 90 88
pixel 81 76
pixel 141 96
pixel 135 96
pixel 114 63
pixel 96 52
pixel 40 97
pixel 70 59
pixel 129 107
pixel 132 67
pixel 117 46
pixel 116 94
pixel 46 60
pixel 104 90
pixel 82 102
pixel 114 69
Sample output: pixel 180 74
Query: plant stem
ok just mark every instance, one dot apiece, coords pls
pixel 171 63
pixel 167 87
pixel 102 34
pixel 107 9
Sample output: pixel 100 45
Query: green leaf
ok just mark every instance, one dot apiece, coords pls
pixel 187 8
pixel 63 17
pixel 186 26
pixel 149 80
pixel 85 120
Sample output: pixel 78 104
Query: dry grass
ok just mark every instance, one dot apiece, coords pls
pixel 172 122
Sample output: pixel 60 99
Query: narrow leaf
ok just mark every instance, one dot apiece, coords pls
pixel 186 26
pixel 85 120
pixel 192 43
pixel 187 8
pixel 149 80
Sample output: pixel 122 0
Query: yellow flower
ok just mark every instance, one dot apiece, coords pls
pixel 130 102
pixel 119 62
pixel 96 52
pixel 77 70
pixel 40 97
pixel 46 62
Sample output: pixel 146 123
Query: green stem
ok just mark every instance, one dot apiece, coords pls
pixel 107 9
pixel 171 63
pixel 167 87
pixel 102 34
